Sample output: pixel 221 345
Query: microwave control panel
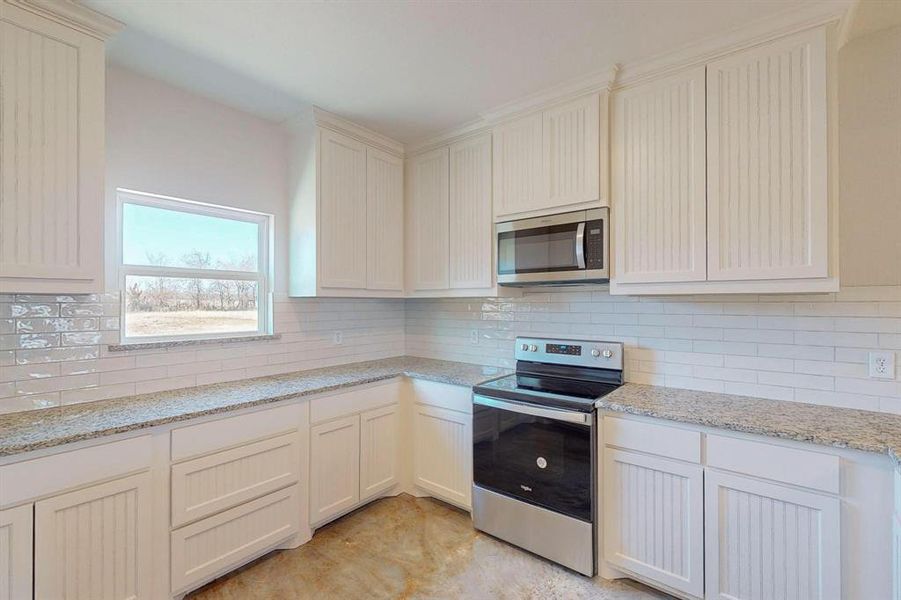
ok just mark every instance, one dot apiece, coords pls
pixel 594 244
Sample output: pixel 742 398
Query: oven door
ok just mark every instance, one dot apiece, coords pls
pixel 538 455
pixel 569 247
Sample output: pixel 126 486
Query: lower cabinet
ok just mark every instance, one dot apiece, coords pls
pixel 379 431
pixel 896 558
pixel 765 540
pixel 353 459
pixel 335 466
pixel 442 453
pixel 16 531
pixel 210 547
pixel 94 543
pixel 654 519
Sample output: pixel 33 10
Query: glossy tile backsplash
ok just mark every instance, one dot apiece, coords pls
pixel 53 348
pixel 807 348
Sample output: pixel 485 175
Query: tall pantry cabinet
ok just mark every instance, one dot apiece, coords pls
pixel 52 73
pixel 721 175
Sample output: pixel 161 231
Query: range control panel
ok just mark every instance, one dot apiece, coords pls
pixel 582 353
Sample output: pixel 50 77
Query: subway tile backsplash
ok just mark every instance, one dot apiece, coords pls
pixel 53 348
pixel 806 348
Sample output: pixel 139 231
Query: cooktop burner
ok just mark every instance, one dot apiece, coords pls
pixel 544 390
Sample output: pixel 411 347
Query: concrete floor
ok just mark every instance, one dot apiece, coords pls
pixel 405 547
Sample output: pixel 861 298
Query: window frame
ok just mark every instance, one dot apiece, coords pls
pixel 262 276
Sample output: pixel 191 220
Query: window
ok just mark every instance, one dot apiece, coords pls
pixel 189 270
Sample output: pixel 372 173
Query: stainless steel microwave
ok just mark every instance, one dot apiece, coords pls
pixel 566 248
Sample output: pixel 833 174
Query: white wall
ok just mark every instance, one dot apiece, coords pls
pixel 164 140
pixel 870 159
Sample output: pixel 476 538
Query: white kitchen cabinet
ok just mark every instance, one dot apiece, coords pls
pixel 342 219
pixel 94 543
pixel 429 250
pixel 658 173
pixel 346 210
pixel 767 192
pixel 518 180
pixel 379 446
pixel 721 174
pixel 442 456
pixel 470 232
pixel 765 540
pixel 334 467
pixel 384 221
pixel 52 69
pixel 896 558
pixel 653 519
pixel 571 147
pixel 16 530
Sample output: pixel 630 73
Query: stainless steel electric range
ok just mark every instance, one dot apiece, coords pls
pixel 534 448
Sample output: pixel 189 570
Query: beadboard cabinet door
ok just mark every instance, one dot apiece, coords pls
pixel 570 135
pixel 428 231
pixel 52 155
pixel 767 192
pixel 342 211
pixel 94 543
pixel 442 459
pixel 16 531
pixel 765 540
pixel 518 179
pixel 379 430
pixel 334 467
pixel 654 519
pixel 384 221
pixel 470 235
pixel 658 175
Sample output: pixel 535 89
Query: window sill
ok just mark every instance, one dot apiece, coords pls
pixel 197 342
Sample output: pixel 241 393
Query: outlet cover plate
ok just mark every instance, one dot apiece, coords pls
pixel 882 365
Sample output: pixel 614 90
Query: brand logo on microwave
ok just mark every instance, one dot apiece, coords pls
pixel 525 488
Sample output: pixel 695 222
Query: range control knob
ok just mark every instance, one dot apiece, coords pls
pixel 524 347
pixel 533 348
pixel 595 352
pixel 607 353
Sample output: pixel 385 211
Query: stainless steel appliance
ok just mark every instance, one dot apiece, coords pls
pixel 565 248
pixel 534 448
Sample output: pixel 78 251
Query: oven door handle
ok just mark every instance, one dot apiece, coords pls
pixel 580 245
pixel 527 409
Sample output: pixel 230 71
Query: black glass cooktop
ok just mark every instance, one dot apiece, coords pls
pixel 561 392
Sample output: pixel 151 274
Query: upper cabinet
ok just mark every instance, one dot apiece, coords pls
pixel 767 196
pixel 450 249
pixel 552 161
pixel 721 177
pixel 659 181
pixel 347 211
pixel 52 73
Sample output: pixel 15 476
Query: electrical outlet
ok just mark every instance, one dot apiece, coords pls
pixel 882 365
pixel 474 337
pixel 338 338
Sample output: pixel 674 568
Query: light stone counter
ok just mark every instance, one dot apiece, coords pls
pixel 34 430
pixel 824 425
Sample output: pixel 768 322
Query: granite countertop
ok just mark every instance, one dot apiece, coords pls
pixel 34 430
pixel 824 425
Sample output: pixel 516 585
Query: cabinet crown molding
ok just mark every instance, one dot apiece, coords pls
pixel 72 14
pixel 323 118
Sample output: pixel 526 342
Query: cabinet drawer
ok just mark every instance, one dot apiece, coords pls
pixel 58 472
pixel 443 395
pixel 208 548
pixel 208 437
pixel 814 470
pixel 670 442
pixel 207 485
pixel 353 401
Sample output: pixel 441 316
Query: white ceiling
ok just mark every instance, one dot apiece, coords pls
pixel 405 69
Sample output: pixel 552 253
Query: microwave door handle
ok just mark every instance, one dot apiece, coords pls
pixel 580 245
